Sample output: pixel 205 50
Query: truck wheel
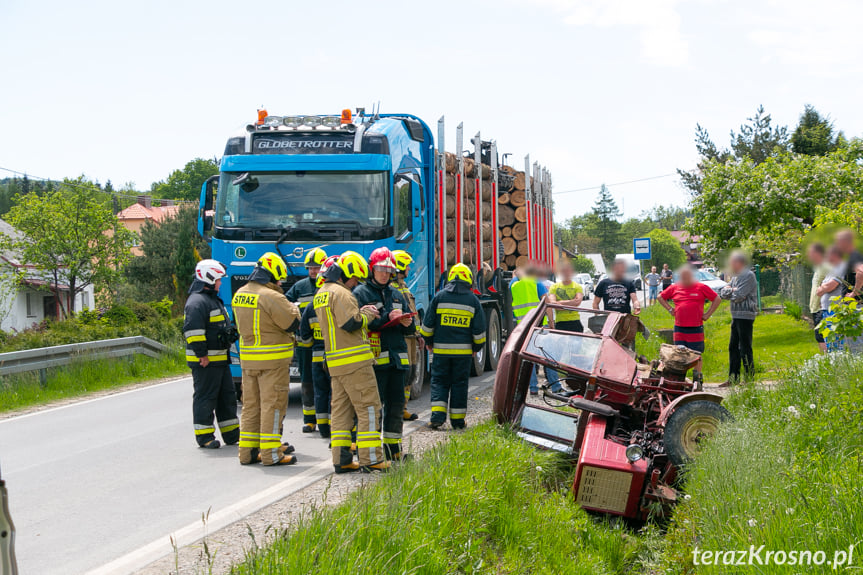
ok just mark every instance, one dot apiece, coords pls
pixel 418 374
pixel 492 343
pixel 478 364
pixel 689 426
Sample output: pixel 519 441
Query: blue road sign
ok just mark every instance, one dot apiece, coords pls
pixel 641 248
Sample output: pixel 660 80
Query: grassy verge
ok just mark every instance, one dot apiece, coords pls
pixel 480 503
pixel 779 342
pixel 786 475
pixel 83 377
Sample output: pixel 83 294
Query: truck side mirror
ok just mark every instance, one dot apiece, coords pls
pixel 205 215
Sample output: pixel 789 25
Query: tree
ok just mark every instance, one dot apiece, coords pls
pixel 667 218
pixel 171 250
pixel 665 249
pixel 757 140
pixel 607 225
pixel 186 184
pixel 771 205
pixel 814 134
pixel 71 236
pixel 582 265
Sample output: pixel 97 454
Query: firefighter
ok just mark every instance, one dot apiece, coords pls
pixel 403 261
pixel 389 345
pixel 454 329
pixel 265 320
pixel 301 293
pixel 208 336
pixel 349 359
pixel 310 334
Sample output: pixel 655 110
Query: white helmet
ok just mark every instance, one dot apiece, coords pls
pixel 208 271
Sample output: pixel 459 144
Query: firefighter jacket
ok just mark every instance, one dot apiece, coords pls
pixel 310 335
pixel 205 326
pixel 402 287
pixel 301 293
pixel 265 319
pixel 344 329
pixel 455 322
pixel 388 344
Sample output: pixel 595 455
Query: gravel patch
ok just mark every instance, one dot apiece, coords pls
pixel 217 552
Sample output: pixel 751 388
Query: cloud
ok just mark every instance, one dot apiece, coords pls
pixel 657 22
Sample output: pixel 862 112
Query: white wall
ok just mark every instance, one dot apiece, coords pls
pixel 18 319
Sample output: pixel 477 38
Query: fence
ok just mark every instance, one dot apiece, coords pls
pixel 795 283
pixel 42 358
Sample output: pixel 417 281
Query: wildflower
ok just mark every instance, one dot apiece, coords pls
pixel 789 511
pixel 793 411
pixel 539 468
pixel 687 497
pixel 812 406
pixel 752 523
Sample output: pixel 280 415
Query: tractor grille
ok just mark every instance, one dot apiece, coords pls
pixel 604 489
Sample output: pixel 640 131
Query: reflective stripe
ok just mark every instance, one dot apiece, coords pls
pixel 323 418
pixel 524 305
pixel 308 410
pixel 392 441
pixel 452 351
pixel 216 318
pixel 229 425
pixel 191 357
pixel 250 439
pixel 404 358
pixel 455 307
pixel 479 338
pixel 369 443
pixel 426 331
pixel 392 435
pixel 256 327
pixel 340 442
pixel 189 332
pixel 204 429
pixel 271 440
pixel 340 438
pixel 194 338
pixel 458 410
pixel 456 415
pixel 266 352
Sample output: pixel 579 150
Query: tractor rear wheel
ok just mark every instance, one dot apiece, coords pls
pixel 689 426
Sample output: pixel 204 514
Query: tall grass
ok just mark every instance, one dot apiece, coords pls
pixel 81 377
pixel 779 342
pixel 483 502
pixel 787 474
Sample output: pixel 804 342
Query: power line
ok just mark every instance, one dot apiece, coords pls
pixel 615 184
pixel 73 185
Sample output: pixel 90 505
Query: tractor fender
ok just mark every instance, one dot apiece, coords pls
pixel 683 400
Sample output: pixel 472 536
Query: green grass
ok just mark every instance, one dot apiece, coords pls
pixel 481 503
pixel 779 342
pixel 788 479
pixel 79 378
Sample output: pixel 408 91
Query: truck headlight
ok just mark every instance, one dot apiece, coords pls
pixel 293 121
pixel 273 121
pixel 332 121
pixel 311 121
pixel 634 452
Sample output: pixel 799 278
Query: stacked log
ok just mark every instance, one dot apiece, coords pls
pixel 511 208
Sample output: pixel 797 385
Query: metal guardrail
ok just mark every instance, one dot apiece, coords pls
pixel 40 359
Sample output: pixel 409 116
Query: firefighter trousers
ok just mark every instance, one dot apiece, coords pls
pixel 449 384
pixel 323 393
pixel 265 401
pixel 356 395
pixel 413 350
pixel 304 358
pixel 214 392
pixel 391 391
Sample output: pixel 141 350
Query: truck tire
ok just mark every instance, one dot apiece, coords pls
pixel 417 374
pixel 493 343
pixel 477 367
pixel 688 426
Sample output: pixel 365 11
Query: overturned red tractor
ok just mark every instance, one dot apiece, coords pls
pixel 628 424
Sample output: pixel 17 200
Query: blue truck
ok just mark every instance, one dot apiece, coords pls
pixel 357 182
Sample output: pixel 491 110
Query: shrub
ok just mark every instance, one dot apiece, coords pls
pixel 793 309
pixel 119 315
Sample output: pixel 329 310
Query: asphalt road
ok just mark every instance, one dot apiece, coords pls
pixel 101 485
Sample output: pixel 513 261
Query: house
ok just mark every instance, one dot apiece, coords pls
pixel 27 296
pixel 135 216
pixel 691 245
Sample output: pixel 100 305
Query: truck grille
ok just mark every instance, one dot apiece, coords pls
pixel 604 489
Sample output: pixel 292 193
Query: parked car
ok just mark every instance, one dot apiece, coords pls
pixel 627 424
pixel 586 283
pixel 707 279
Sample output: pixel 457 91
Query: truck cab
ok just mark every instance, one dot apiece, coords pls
pixel 293 183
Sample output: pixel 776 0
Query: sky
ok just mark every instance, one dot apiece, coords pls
pixel 597 91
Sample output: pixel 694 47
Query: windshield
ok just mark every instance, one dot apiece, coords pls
pixel 302 199
pixel 582 278
pixel 633 269
pixel 704 276
pixel 577 351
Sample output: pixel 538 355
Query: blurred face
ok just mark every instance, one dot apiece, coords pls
pixel 653 269
pixel 845 242
pixel 566 273
pixel 664 267
pixel 618 270
pixel 816 258
pixel 352 283
pixel 382 275
pixel 218 285
pixel 835 257
pixel 686 277
pixel 313 271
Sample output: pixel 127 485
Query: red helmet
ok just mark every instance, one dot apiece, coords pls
pixel 328 263
pixel 383 258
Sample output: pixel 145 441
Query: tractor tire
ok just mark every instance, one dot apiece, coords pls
pixel 688 426
pixel 493 343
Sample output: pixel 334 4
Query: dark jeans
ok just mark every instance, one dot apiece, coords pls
pixel 214 392
pixel 740 348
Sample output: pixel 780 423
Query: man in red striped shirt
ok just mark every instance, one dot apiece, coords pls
pixel 688 297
